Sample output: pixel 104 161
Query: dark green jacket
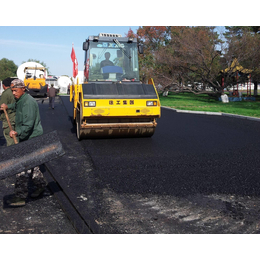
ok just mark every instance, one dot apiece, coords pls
pixel 27 118
pixel 7 97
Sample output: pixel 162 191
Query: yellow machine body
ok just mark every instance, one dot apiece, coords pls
pixel 122 107
pixel 36 85
pixel 114 117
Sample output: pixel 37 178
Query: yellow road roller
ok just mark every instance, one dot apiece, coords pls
pixel 36 85
pixel 111 101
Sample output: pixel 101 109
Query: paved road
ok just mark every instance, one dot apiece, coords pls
pixel 43 215
pixel 197 174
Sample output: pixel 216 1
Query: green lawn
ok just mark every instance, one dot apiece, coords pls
pixel 189 101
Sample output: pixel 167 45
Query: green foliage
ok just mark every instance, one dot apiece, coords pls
pixel 244 45
pixel 7 68
pixel 240 30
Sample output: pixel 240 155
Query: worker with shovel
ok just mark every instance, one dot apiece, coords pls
pixel 7 97
pixel 28 125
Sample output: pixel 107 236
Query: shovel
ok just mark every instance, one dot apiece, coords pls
pixel 10 126
pixel 29 154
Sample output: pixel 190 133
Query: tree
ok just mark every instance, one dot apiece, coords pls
pixel 244 46
pixel 152 37
pixel 238 31
pixel 195 58
pixel 183 58
pixel 130 33
pixel 7 68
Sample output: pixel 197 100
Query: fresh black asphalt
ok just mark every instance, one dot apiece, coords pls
pixel 197 174
pixel 190 157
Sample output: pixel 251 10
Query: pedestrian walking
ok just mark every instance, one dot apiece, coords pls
pixel 51 95
pixel 7 97
pixel 28 125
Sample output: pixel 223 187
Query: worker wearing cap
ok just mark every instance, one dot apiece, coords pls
pixel 7 97
pixel 28 125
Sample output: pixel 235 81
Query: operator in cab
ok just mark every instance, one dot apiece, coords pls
pixel 105 63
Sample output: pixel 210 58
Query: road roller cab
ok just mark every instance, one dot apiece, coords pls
pixel 112 101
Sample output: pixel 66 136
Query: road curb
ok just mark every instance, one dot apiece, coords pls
pixel 67 206
pixel 199 112
pixel 213 113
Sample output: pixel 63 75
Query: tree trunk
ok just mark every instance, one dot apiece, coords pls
pixel 255 88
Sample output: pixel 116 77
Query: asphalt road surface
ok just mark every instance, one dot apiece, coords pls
pixel 197 174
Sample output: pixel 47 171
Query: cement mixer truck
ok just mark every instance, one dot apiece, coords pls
pixel 112 102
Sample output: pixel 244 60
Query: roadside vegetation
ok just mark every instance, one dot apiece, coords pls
pixel 202 102
pixel 199 59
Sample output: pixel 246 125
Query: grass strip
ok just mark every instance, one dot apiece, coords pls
pixel 202 102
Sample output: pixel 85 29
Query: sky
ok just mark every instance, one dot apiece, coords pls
pixel 50 44
pixel 47 31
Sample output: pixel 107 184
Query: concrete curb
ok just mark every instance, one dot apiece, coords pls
pixel 199 112
pixel 214 113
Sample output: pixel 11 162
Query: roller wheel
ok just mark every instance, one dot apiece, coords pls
pixel 73 119
pixel 78 123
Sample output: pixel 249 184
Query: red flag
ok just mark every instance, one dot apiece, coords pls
pixel 75 63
